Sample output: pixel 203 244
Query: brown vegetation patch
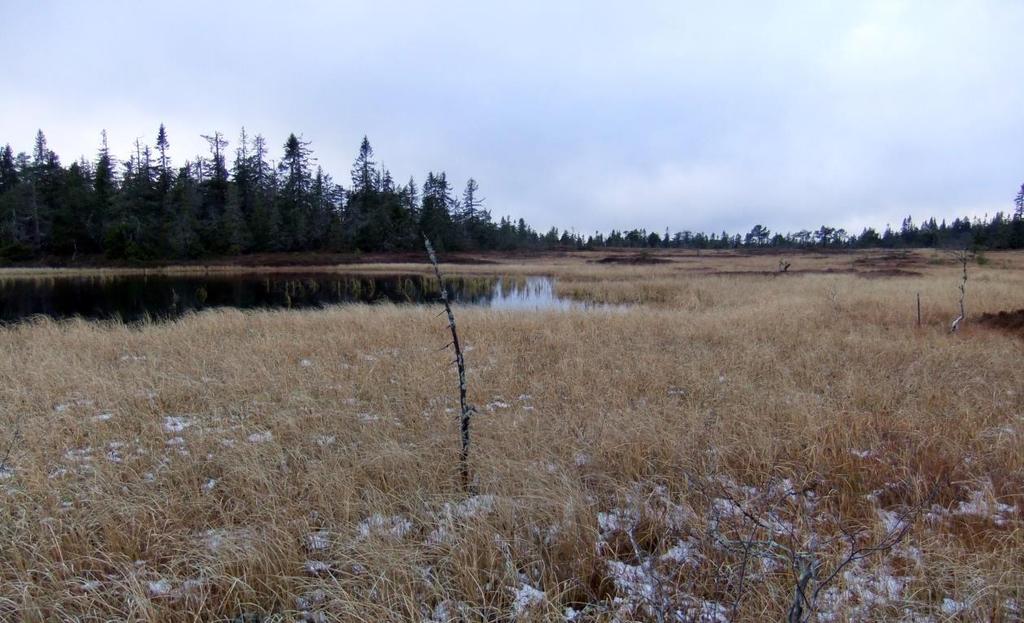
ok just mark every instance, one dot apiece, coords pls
pixel 888 272
pixel 1012 321
pixel 640 258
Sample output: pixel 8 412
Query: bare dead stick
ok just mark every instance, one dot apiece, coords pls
pixel 963 257
pixel 460 362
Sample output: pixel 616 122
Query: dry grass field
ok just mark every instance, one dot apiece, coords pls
pixel 683 458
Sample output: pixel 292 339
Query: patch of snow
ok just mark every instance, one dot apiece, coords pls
pixel 176 424
pixel 159 588
pixel 64 406
pixel 527 597
pixel 704 612
pixel 130 357
pixel 217 539
pixel 102 417
pixel 952 607
pixel 982 503
pixel 394 526
pixel 305 363
pixel 617 520
pixel 470 507
pixel 862 590
pixel 447 611
pixel 366 418
pixel 6 472
pixel 861 454
pixel 317 567
pixel 682 552
pixel 319 540
pixel 891 521
pixel 209 485
pixel 79 455
pixel 311 600
pixel 324 440
pixel 176 441
pixel 1012 607
pixel 261 437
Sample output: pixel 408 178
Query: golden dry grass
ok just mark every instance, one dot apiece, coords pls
pixel 303 464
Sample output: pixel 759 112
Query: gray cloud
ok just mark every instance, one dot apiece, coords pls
pixel 588 115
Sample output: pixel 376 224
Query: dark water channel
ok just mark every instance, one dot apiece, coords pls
pixel 158 297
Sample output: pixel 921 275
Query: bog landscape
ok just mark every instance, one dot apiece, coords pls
pixel 659 312
pixel 681 444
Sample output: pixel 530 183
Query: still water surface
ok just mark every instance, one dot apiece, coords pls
pixel 135 298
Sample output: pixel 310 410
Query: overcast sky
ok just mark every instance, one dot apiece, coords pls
pixel 587 115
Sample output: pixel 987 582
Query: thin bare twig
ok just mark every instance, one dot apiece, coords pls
pixel 460 361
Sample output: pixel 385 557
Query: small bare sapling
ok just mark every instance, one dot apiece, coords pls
pixel 460 362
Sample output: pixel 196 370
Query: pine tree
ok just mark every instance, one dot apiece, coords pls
pixel 435 212
pixel 214 186
pixel 294 200
pixel 105 187
pixel 8 173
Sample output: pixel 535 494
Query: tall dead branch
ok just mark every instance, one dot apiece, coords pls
pixel 962 257
pixel 460 362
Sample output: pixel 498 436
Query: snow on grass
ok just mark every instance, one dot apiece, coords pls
pixel 318 541
pixel 218 540
pixel 64 406
pixel 176 424
pixel 317 567
pixel 526 598
pixel 102 417
pixel 497 404
pixel 952 606
pixel 261 437
pixel 324 440
pixel 86 586
pixel 681 553
pixel 862 590
pixel 393 527
pixel 311 599
pixel 79 455
pixel 305 363
pixel 158 588
pixel 209 485
pixel 982 503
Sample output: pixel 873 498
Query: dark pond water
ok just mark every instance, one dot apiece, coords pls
pixel 136 298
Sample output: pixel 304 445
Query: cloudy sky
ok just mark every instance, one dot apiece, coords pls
pixel 585 115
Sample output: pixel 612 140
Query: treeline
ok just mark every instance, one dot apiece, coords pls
pixel 240 201
pixel 227 203
pixel 1002 231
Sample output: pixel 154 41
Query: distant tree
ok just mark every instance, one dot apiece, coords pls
pixel 293 195
pixel 213 181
